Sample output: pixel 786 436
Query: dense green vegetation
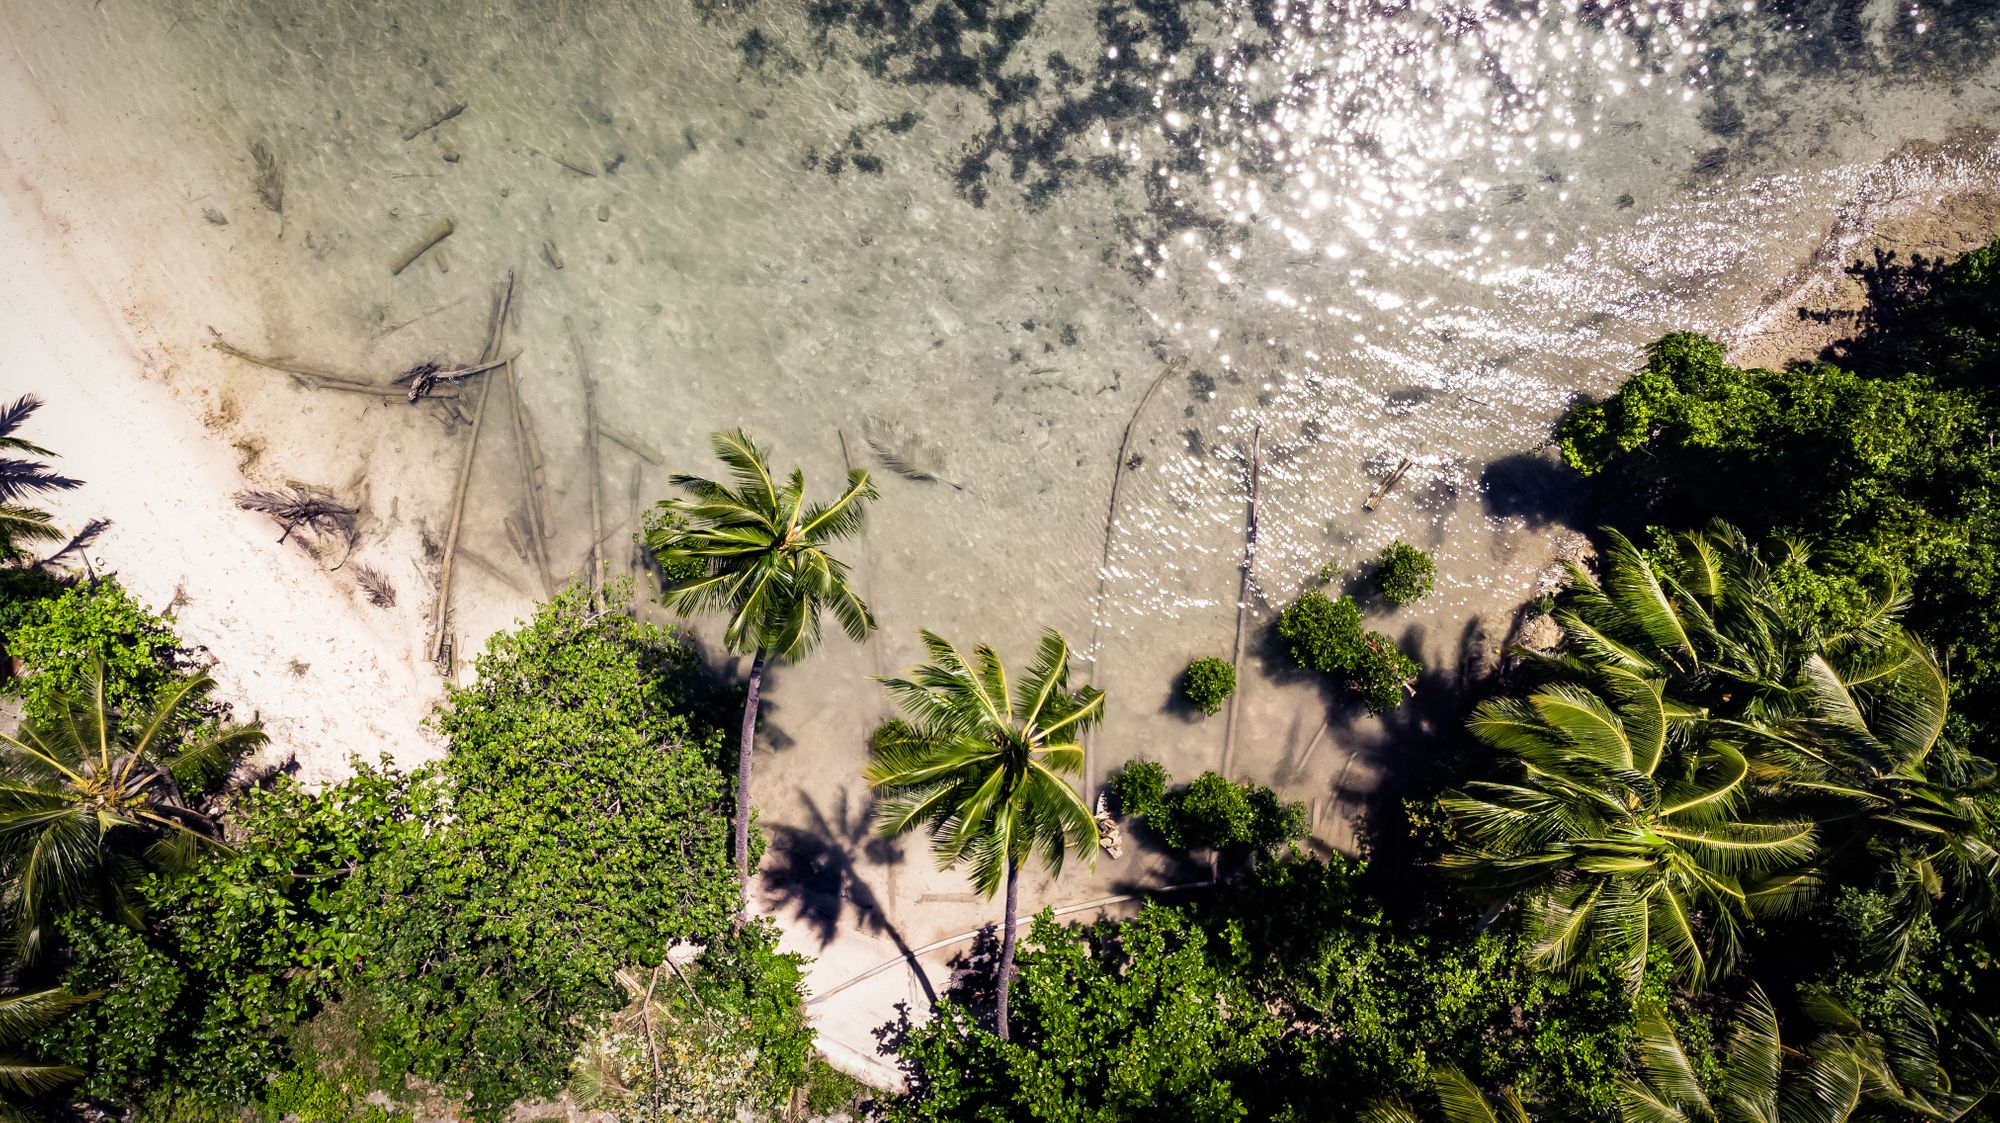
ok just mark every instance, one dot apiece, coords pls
pixel 466 930
pixel 1326 635
pixel 1209 812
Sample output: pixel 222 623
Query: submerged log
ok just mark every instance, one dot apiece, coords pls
pixel 437 234
pixel 494 332
pixel 1382 491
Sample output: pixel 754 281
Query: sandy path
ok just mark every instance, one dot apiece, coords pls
pixel 294 645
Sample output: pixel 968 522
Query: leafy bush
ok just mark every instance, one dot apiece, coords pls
pixel 1299 995
pixel 1404 574
pixel 743 979
pixel 1209 812
pixel 1148 1019
pixel 1326 635
pixel 234 955
pixel 55 638
pixel 1884 478
pixel 577 824
pixel 725 1038
pixel 1208 683
pixel 1141 787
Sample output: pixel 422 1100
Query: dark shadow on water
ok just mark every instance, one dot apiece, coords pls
pixel 814 872
pixel 1534 487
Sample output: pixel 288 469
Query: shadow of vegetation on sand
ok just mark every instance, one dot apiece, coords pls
pixel 813 873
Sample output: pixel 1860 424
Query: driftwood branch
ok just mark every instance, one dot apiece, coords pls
pixel 434 122
pixel 632 444
pixel 310 377
pixel 531 493
pixel 1243 590
pixel 595 557
pixel 431 238
pixel 494 333
pixel 1382 490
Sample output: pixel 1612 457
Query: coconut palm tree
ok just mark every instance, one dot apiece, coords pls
pixel 87 808
pixel 19 478
pixel 1860 742
pixel 757 551
pixel 1622 827
pixel 1459 1101
pixel 1843 1069
pixel 982 769
pixel 22 1017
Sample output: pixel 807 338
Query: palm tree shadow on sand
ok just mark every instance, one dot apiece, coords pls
pixel 813 872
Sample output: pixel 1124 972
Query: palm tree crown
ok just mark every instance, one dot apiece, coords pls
pixel 1696 757
pixel 19 478
pixel 759 552
pixel 982 770
pixel 86 808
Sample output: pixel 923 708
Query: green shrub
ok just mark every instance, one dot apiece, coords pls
pixel 742 980
pixel 1209 812
pixel 1208 683
pixel 234 955
pixel 578 824
pixel 1404 574
pixel 1140 787
pixel 1326 635
pixel 55 638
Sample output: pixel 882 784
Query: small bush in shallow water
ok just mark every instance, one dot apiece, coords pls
pixel 1326 635
pixel 1404 574
pixel 1208 683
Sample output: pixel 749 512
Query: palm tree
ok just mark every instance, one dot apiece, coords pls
pixel 1621 827
pixel 1459 1101
pixel 22 1017
pixel 1699 756
pixel 18 478
pixel 982 770
pixel 1861 743
pixel 86 808
pixel 1840 1069
pixel 758 552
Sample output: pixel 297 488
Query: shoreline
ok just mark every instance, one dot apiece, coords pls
pixel 292 647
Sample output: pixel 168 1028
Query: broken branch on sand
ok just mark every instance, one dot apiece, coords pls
pixel 1243 588
pixel 531 493
pixel 301 507
pixel 494 332
pixel 312 378
pixel 585 172
pixel 423 377
pixel 434 122
pixel 595 558
pixel 437 234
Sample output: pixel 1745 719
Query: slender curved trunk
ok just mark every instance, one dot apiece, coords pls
pixel 1007 941
pixel 744 744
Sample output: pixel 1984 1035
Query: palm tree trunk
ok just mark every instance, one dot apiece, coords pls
pixel 744 744
pixel 1007 941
